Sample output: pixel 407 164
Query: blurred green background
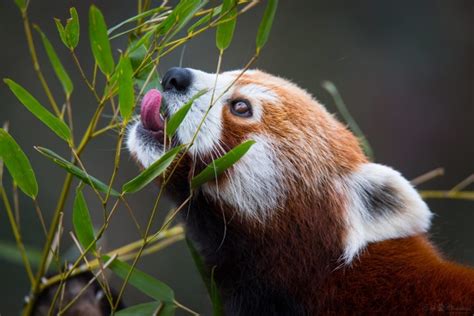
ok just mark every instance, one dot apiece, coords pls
pixel 404 68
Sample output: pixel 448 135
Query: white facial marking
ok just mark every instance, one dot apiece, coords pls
pixel 255 185
pixel 145 153
pixel 404 215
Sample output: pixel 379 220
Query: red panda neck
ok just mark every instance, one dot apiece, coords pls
pixel 276 259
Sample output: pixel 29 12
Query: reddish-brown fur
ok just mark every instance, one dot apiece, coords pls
pixel 400 277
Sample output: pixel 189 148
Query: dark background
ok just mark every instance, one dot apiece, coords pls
pixel 405 69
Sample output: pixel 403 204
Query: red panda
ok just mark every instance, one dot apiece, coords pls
pixel 303 224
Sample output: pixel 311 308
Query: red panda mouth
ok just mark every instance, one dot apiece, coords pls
pixel 150 116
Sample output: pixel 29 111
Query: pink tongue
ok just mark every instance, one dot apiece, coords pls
pixel 150 112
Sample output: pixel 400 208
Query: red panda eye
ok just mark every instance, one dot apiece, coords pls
pixel 241 108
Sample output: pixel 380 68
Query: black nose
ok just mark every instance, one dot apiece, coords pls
pixel 176 78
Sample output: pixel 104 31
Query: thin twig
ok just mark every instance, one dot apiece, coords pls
pixel 463 184
pixel 121 251
pixel 440 194
pixel 40 216
pixel 17 235
pixel 83 75
pixel 105 286
pixel 16 204
pixel 36 66
pixel 71 302
pixel 428 176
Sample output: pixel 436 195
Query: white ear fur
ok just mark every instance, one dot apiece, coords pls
pixel 381 205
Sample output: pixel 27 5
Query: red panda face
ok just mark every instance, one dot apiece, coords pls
pixel 304 166
pixel 296 139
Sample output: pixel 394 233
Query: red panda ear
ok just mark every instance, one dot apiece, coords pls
pixel 381 205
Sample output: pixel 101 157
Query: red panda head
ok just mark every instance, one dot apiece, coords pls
pixel 305 165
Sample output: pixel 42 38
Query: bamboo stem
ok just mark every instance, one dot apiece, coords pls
pixel 440 194
pixel 36 66
pixel 17 235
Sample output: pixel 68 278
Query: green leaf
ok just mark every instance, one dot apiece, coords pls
pixel 208 279
pixel 69 34
pixel 56 63
pixel 205 19
pixel 55 124
pixel 21 4
pixel 153 171
pixel 266 24
pixel 74 170
pixel 100 41
pixel 136 17
pixel 141 43
pixel 137 52
pixel 172 18
pixel 220 165
pixel 184 13
pixel 225 31
pixel 126 90
pixel 177 118
pixel 146 309
pixel 82 222
pixel 9 252
pixel 18 164
pixel 168 309
pixel 62 32
pixel 142 281
pixel 153 82
pixel 72 29
pixel 346 115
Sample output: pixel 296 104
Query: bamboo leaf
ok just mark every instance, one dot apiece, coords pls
pixel 142 281
pixel 62 32
pixel 167 309
pixel 153 171
pixel 225 31
pixel 100 41
pixel 153 83
pixel 135 18
pixel 55 124
pixel 56 63
pixel 1 171
pixel 177 118
pixel 146 309
pixel 9 252
pixel 205 19
pixel 69 34
pixel 18 164
pixel 184 13
pixel 74 170
pixel 142 42
pixel 82 222
pixel 21 4
pixel 126 90
pixel 266 24
pixel 346 115
pixel 172 18
pixel 72 29
pixel 137 52
pixel 220 165
pixel 208 278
